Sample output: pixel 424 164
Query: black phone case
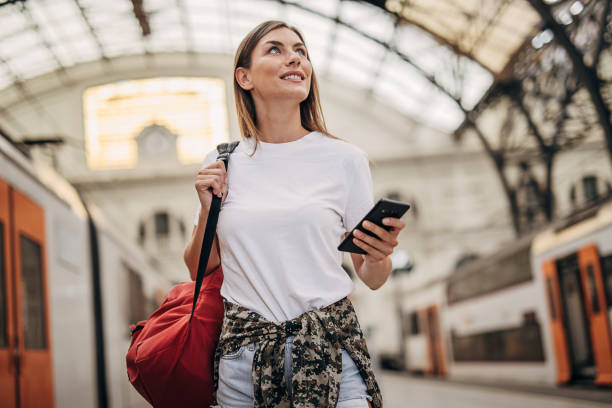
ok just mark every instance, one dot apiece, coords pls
pixel 382 209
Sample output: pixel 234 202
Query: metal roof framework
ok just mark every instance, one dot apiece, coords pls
pixel 432 61
pixel 544 108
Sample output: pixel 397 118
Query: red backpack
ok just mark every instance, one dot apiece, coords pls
pixel 170 359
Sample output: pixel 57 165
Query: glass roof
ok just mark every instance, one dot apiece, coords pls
pixel 354 42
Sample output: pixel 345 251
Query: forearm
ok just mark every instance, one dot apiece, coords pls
pixel 375 274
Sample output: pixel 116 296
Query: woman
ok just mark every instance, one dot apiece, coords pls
pixel 290 336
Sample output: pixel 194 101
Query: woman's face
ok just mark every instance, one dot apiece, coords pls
pixel 279 68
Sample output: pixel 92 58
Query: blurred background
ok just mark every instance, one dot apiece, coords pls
pixel 491 117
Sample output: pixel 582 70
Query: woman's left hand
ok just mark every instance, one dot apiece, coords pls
pixel 381 246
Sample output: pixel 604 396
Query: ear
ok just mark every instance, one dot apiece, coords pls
pixel 243 78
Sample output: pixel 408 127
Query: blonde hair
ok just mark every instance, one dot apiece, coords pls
pixel 311 114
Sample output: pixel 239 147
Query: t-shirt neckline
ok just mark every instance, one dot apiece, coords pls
pixel 265 148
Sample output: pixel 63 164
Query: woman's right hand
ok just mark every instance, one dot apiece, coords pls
pixel 212 177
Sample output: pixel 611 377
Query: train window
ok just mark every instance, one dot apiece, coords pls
pixel 32 296
pixel 137 300
pixel 141 233
pixel 485 275
pixel 593 289
pixel 589 185
pixel 3 311
pixel 414 324
pixel 606 269
pixel 162 224
pixel 551 299
pixel 182 228
pixel 522 343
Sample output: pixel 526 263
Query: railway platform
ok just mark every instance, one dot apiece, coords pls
pixel 404 391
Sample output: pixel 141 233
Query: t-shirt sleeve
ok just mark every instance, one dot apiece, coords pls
pixel 208 160
pixel 360 193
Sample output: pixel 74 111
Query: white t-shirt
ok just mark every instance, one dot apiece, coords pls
pixel 282 221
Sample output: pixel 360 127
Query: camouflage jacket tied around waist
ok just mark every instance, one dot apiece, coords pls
pixel 320 336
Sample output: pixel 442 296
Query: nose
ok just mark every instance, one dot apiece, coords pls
pixel 294 59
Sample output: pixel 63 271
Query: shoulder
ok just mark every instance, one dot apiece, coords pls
pixel 342 149
pixel 209 158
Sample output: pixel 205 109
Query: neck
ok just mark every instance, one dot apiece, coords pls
pixel 279 121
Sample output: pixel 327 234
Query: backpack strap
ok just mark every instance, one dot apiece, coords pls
pixel 224 150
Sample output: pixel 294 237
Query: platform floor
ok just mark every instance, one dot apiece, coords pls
pixel 403 391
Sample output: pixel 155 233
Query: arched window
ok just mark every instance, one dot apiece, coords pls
pixel 192 109
pixel 162 233
pixel 587 189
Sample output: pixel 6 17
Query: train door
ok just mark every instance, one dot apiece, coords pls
pixel 559 336
pixel 434 341
pixel 579 321
pixel 597 312
pixel 576 321
pixel 7 338
pixel 26 378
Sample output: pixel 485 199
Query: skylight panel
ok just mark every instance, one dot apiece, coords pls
pixel 326 7
pixel 368 19
pixel 12 21
pixel 31 64
pixel 252 12
pixel 24 41
pixel 163 16
pixel 346 69
pixel 172 38
pixel 86 48
pixel 210 41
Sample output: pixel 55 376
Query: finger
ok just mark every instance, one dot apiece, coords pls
pixel 211 180
pixel 382 233
pixel 397 224
pixel 204 183
pixel 371 251
pixel 209 171
pixel 380 245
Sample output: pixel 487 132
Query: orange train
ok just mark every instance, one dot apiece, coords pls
pixel 539 310
pixel 70 285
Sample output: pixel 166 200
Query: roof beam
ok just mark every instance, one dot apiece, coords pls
pixel 34 25
pixel 187 32
pixel 586 75
pixel 430 78
pixel 332 39
pixel 141 16
pixel 376 72
pixel 92 31
pixel 27 97
pixel 7 2
pixel 441 40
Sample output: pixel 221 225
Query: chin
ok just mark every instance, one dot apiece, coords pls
pixel 298 97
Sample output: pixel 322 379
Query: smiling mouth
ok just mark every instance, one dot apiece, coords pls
pixel 293 77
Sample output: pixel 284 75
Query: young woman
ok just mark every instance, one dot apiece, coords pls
pixel 292 191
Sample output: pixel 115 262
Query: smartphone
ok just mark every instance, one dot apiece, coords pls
pixel 382 209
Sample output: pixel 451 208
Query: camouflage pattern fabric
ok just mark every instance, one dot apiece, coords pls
pixel 320 336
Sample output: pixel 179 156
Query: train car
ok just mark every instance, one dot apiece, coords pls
pixel 572 264
pixel 422 307
pixel 70 285
pixel 537 311
pixel 495 319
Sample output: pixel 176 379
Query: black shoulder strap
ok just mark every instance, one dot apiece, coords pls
pixel 224 150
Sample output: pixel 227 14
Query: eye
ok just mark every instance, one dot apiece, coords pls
pixel 274 48
pixel 303 51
